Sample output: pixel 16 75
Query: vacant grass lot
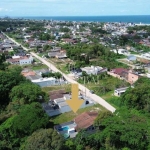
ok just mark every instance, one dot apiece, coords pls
pixel 67 87
pixel 104 86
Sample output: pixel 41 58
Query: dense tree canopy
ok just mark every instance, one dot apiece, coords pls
pixel 139 96
pixel 35 118
pixel 9 79
pixel 2 60
pixel 122 130
pixel 15 129
pixel 44 139
pixel 27 92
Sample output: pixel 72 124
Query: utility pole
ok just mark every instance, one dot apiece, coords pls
pixel 84 85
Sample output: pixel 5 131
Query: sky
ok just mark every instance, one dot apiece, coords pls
pixel 73 7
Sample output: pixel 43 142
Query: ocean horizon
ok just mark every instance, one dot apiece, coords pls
pixel 145 19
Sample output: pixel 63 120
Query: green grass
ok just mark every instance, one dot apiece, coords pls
pixel 105 88
pixel 67 87
pixel 111 99
pixel 69 116
pixel 38 67
pixel 63 68
pixel 132 52
pixel 41 54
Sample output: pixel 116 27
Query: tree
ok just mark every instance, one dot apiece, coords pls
pixel 46 47
pixel 27 92
pixel 44 139
pixel 16 128
pixel 101 117
pixel 9 79
pixel 139 96
pixel 2 60
pixel 29 119
pixel 122 129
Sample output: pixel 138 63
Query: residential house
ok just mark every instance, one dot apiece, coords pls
pixel 118 72
pixel 56 49
pixel 94 70
pixel 44 82
pixel 64 107
pixel 58 100
pixel 124 74
pixel 59 55
pixel 82 121
pixel 21 60
pixel 85 121
pixel 132 77
pixel 57 94
pixel 120 91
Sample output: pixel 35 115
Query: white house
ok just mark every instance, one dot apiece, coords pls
pixel 64 107
pixel 93 70
pixel 43 82
pixel 21 60
pixel 120 91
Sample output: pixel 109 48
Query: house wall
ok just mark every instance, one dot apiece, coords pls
pixel 114 75
pixel 116 93
pixel 45 83
pixel 148 69
pixel 25 61
pixel 53 113
pixel 65 109
pixel 132 78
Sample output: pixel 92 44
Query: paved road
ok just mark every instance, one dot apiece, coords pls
pixel 81 87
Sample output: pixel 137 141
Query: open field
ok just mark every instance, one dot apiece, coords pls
pixel 105 86
pixel 67 87
pixel 35 66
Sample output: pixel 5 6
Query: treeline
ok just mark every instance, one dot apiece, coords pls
pixel 83 54
pixel 21 113
pixel 10 24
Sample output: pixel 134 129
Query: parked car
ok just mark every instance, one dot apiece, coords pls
pixel 91 91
